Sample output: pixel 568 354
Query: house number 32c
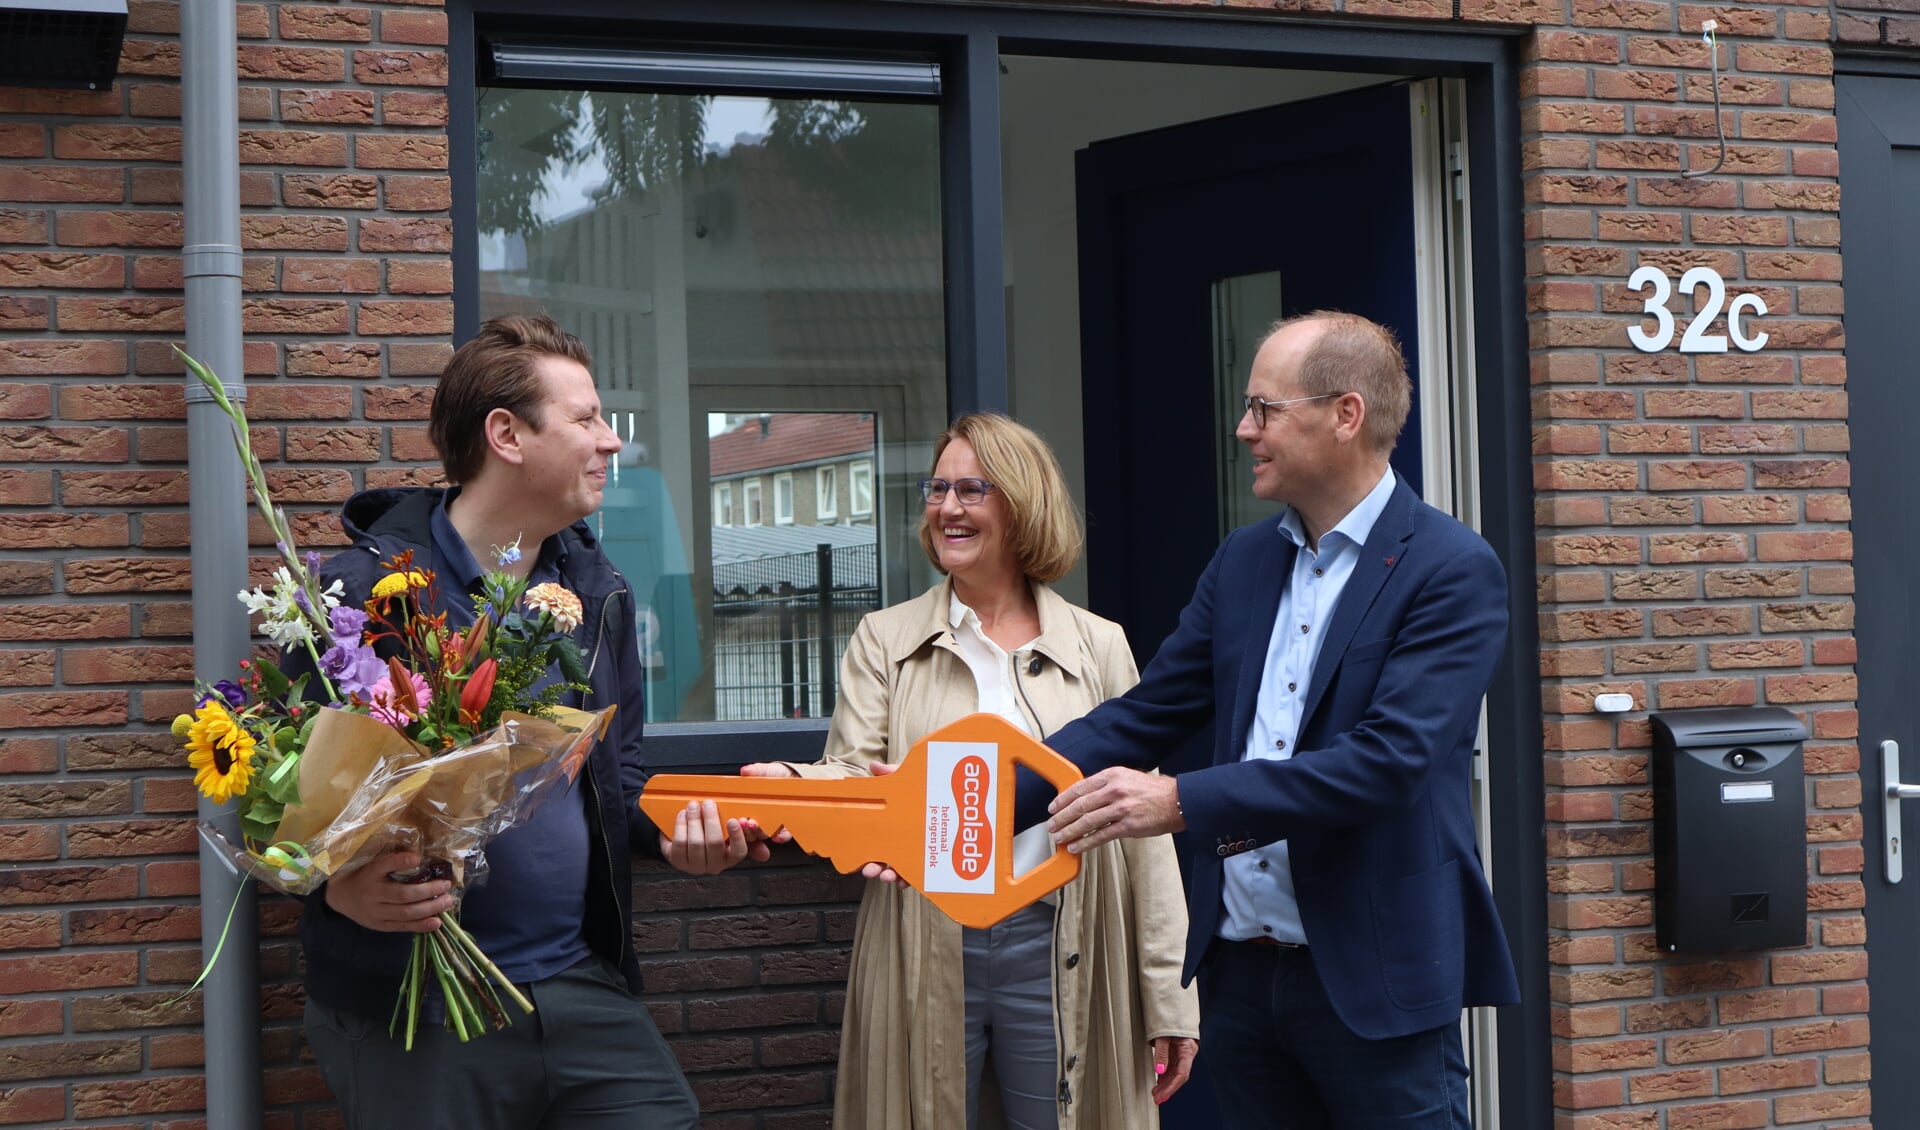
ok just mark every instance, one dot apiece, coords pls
pixel 1696 339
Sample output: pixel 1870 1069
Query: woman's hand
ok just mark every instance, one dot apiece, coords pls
pixel 1172 1063
pixel 881 871
pixel 772 769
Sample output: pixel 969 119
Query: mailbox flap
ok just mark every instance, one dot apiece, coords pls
pixel 1726 726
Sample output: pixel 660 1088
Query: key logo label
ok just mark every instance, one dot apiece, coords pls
pixel 973 848
pixel 962 802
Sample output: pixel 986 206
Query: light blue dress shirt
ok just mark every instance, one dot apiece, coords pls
pixel 1258 891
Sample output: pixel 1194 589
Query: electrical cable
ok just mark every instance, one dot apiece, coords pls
pixel 1719 128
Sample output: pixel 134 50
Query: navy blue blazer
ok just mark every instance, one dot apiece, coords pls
pixel 1375 803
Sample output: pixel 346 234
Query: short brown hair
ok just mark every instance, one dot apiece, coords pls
pixel 1354 354
pixel 497 369
pixel 1044 530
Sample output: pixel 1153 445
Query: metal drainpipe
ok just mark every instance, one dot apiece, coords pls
pixel 217 510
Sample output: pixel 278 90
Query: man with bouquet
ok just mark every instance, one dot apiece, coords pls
pixel 518 424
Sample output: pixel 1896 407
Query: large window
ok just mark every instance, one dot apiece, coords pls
pixel 748 272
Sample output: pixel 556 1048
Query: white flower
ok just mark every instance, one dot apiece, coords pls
pixel 282 619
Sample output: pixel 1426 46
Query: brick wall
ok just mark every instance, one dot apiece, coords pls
pixel 1692 514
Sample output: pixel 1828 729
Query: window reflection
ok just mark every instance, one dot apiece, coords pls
pixel 734 263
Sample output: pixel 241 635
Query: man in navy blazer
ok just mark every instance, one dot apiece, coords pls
pixel 1340 917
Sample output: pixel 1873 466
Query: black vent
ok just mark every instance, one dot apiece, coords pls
pixel 65 43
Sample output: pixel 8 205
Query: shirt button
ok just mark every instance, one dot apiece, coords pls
pixel 1293 686
pixel 1303 629
pixel 1268 929
pixel 1279 743
pixel 1263 865
pixel 1319 572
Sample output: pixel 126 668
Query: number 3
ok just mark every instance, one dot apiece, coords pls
pixel 1657 306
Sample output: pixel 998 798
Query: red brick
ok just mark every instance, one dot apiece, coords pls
pixel 292 147
pixel 427 29
pixel 331 106
pixel 406 234
pixel 294 64
pixel 400 68
pixel 63 184
pixel 335 24
pixel 119 229
pixel 293 233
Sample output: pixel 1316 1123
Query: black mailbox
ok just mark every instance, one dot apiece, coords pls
pixel 1729 830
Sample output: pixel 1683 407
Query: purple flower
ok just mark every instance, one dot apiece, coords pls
pixel 346 623
pixel 226 689
pixel 300 598
pixel 313 561
pixel 352 668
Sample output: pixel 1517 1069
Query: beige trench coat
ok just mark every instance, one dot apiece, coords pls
pixel 1120 929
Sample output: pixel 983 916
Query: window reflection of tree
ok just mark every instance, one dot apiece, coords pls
pixel 877 160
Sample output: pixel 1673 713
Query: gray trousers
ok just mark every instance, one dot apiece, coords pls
pixel 589 1056
pixel 1009 985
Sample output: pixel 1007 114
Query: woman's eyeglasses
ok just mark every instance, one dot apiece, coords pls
pixel 971 491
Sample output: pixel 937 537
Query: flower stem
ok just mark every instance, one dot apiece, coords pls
pixel 473 950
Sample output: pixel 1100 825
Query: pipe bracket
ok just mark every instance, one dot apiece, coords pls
pixel 202 260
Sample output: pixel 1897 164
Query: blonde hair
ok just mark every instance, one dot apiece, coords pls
pixel 1354 354
pixel 1043 527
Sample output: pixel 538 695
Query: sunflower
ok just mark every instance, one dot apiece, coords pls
pixel 393 584
pixel 220 750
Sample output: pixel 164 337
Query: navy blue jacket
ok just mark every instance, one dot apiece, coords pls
pixel 357 970
pixel 1375 804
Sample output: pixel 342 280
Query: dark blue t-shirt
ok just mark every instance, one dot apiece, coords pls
pixel 529 912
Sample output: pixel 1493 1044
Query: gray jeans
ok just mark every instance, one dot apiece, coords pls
pixel 1009 984
pixel 589 1056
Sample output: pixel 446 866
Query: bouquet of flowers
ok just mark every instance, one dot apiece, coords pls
pixel 402 733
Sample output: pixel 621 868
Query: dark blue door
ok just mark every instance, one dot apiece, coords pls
pixel 1320 192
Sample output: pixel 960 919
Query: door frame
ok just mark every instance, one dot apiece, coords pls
pixel 968 40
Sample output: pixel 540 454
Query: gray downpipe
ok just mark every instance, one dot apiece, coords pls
pixel 217 510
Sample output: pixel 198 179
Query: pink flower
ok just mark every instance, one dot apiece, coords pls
pixel 383 705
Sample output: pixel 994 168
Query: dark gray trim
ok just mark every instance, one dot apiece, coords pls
pixel 1865 61
pixel 704 747
pixel 1506 499
pixel 971 224
pixel 616 66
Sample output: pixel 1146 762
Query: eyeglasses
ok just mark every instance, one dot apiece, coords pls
pixel 1259 407
pixel 972 492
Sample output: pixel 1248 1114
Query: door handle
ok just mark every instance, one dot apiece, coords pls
pixel 1893 793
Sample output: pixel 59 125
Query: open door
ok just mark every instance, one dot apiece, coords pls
pixel 1193 239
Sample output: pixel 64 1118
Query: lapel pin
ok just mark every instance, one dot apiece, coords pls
pixel 1389 562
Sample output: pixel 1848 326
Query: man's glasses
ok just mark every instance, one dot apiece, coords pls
pixel 1258 407
pixel 971 491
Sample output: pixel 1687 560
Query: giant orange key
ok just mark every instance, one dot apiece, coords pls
pixel 943 822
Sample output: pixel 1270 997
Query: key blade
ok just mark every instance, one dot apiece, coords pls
pixel 849 820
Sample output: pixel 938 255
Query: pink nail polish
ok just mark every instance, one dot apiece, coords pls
pixel 1159 1069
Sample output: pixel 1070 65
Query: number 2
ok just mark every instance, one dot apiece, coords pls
pixel 1696 339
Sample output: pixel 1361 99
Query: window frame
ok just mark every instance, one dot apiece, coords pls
pixel 855 471
pixel 783 479
pixel 753 512
pixel 723 504
pixel 826 485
